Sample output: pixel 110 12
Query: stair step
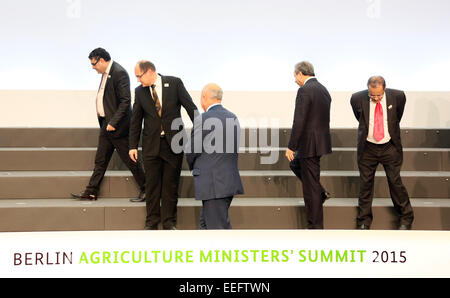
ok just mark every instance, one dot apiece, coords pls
pixel 258 213
pixel 82 159
pixel 57 184
pixel 88 137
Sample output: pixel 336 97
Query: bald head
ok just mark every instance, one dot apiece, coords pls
pixel 211 94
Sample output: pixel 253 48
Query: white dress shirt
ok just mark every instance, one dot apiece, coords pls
pixel 370 137
pixel 308 80
pixel 101 91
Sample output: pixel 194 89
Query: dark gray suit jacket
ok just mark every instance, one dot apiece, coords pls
pixel 215 168
pixel 395 105
pixel 310 134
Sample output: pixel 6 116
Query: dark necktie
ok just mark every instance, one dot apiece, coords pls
pixel 157 105
pixel 156 101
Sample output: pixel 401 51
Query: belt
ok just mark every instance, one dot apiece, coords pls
pixel 380 145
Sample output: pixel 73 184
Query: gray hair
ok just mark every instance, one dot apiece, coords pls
pixel 305 68
pixel 376 81
pixel 214 91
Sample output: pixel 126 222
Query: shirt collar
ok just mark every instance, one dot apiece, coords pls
pixel 158 81
pixel 213 105
pixel 108 69
pixel 308 80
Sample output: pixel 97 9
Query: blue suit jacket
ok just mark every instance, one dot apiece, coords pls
pixel 212 154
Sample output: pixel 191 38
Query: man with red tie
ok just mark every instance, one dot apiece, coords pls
pixel 379 111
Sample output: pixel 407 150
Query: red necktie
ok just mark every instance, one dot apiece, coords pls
pixel 378 125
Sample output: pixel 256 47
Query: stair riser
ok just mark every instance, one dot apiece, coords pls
pixel 242 217
pixel 88 137
pixel 254 186
pixel 83 160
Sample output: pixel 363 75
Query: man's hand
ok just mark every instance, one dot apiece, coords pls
pixel 133 154
pixel 110 128
pixel 289 154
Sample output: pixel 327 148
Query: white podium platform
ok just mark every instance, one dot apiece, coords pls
pixel 227 254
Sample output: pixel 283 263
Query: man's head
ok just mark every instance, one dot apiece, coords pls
pixel 145 72
pixel 376 86
pixel 302 72
pixel 100 60
pixel 211 94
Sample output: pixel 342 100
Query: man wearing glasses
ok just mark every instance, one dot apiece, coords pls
pixel 379 111
pixel 157 103
pixel 113 103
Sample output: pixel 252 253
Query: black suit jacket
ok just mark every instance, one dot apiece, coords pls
pixel 174 95
pixel 310 134
pixel 117 102
pixel 395 105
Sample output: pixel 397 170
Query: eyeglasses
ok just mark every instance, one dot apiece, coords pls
pixel 141 75
pixel 94 64
pixel 373 97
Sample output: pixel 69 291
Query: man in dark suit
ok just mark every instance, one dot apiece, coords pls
pixel 114 114
pixel 310 137
pixel 379 111
pixel 212 156
pixel 158 102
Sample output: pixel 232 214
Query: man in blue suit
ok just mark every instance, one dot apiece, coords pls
pixel 212 156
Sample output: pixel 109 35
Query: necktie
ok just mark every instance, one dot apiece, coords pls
pixel 156 100
pixel 157 105
pixel 378 125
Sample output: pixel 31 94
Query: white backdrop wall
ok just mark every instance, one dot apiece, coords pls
pixel 42 108
pixel 244 45
pixel 249 47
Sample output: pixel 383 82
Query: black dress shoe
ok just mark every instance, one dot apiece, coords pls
pixel 140 198
pixel 154 227
pixel 325 196
pixel 363 227
pixel 404 227
pixel 171 228
pixel 84 196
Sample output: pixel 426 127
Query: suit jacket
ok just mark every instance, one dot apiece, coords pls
pixel 395 105
pixel 216 173
pixel 174 95
pixel 310 134
pixel 117 102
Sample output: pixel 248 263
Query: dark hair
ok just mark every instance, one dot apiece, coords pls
pixel 100 53
pixel 376 81
pixel 145 65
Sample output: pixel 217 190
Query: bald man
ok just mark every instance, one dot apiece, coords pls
pixel 212 156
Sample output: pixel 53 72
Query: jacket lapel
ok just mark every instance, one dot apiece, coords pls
pixel 149 103
pixel 163 96
pixel 108 79
pixel 390 103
